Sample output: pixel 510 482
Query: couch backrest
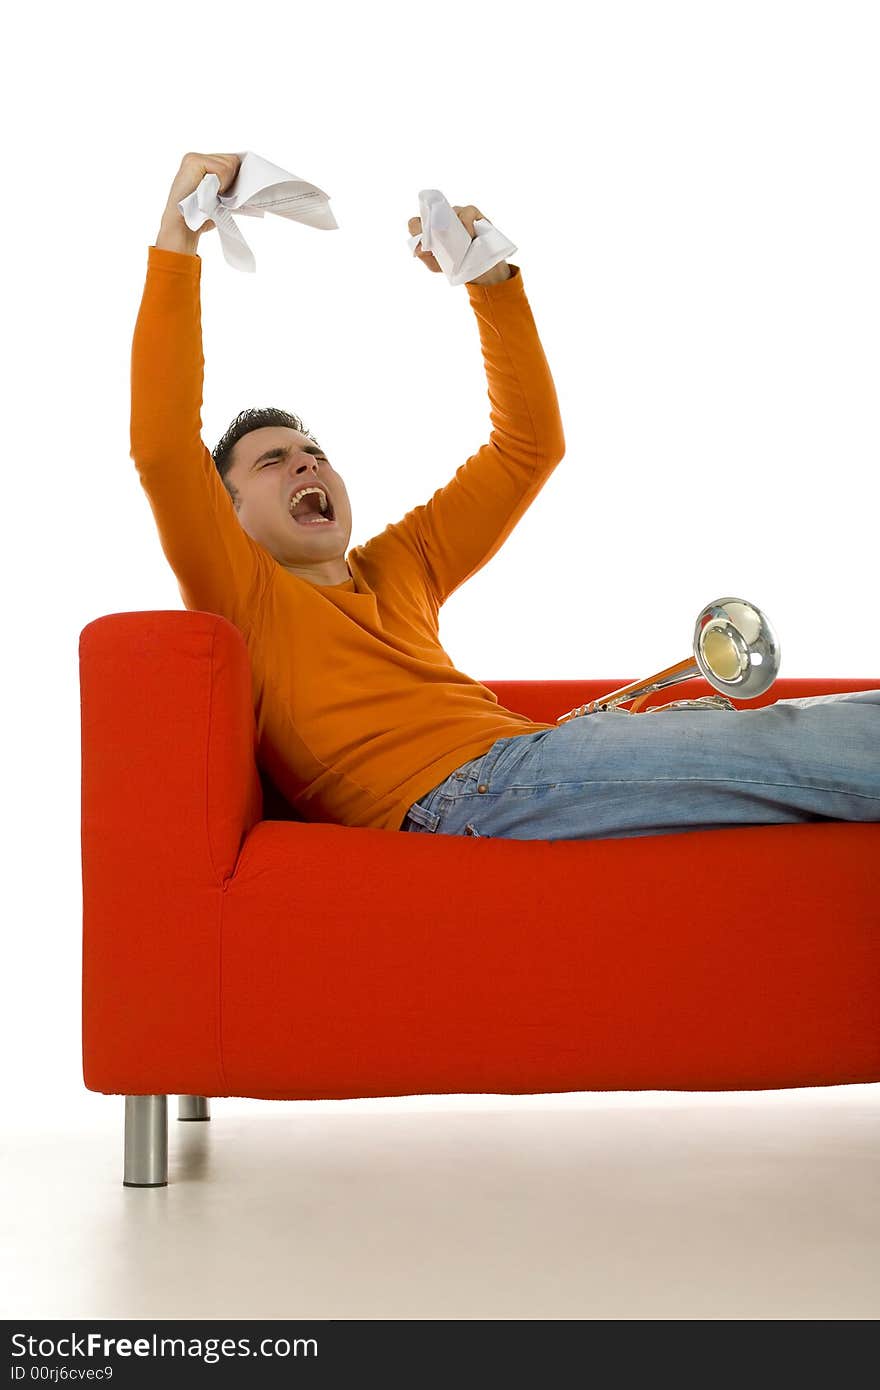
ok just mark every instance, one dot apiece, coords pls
pixel 545 701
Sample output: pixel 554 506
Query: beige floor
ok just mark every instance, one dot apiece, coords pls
pixel 623 1205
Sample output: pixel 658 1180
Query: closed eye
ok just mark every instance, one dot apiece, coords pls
pixel 321 458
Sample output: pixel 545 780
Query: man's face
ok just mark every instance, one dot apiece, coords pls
pixel 271 467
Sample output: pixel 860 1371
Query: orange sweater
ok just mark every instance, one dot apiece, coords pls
pixel 359 710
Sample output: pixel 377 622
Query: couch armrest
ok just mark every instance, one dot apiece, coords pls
pixel 170 792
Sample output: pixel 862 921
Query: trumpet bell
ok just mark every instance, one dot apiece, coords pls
pixel 736 648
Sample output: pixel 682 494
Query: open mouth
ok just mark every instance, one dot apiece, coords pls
pixel 312 507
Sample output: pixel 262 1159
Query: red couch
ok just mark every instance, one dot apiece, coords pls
pixel 408 964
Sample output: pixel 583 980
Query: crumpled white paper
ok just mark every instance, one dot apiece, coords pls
pixel 257 188
pixel 260 187
pixel 460 256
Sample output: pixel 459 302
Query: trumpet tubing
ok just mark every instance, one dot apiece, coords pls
pixel 735 649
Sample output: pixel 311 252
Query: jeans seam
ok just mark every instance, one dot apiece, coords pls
pixel 649 781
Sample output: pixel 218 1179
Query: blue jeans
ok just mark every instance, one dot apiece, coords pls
pixel 612 775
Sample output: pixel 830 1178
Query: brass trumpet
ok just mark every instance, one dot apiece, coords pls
pixel 735 649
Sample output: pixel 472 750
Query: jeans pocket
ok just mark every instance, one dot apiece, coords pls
pixel 418 817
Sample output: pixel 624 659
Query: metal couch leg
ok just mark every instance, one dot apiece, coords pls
pixel 146 1141
pixel 193 1108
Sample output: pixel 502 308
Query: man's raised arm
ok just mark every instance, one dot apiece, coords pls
pixel 216 563
pixel 466 522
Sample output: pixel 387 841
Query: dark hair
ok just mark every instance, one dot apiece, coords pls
pixel 254 418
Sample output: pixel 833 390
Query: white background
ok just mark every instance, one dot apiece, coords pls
pixel 693 191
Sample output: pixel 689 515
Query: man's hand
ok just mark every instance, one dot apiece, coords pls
pixel 467 216
pixel 174 234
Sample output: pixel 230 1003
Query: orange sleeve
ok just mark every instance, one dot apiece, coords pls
pixel 466 522
pixel 218 567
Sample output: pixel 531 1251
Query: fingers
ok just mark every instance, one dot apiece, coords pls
pixel 466 215
pixel 415 225
pixel 225 166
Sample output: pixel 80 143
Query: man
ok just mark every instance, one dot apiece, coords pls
pixel 362 717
